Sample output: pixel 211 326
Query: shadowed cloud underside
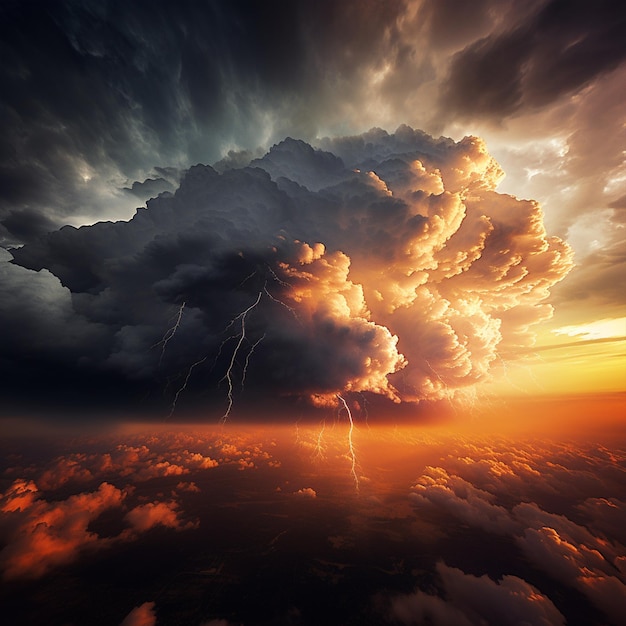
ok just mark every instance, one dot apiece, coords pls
pixel 383 264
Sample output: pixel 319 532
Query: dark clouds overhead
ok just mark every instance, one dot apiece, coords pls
pixel 97 94
pixel 393 269
pixel 555 52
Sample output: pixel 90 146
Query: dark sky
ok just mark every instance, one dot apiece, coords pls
pixel 96 94
pixel 105 104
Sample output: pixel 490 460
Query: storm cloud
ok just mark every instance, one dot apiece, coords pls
pixel 383 264
pixel 99 96
pixel 555 51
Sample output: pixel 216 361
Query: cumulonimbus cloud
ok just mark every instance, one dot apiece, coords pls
pixel 382 263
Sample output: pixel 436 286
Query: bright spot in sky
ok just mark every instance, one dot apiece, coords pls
pixel 600 329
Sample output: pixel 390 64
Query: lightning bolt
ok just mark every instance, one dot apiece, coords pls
pixel 228 377
pixel 281 282
pixel 246 279
pixel 505 368
pixel 276 278
pixel 219 351
pixel 184 386
pixel 250 352
pixel 239 336
pixel 169 333
pixel 350 442
pixel 528 370
pixel 449 394
pixel 319 446
pixel 290 309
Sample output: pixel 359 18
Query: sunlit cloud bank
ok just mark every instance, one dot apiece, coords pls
pixel 444 528
pixel 42 532
pixel 382 264
pixel 511 492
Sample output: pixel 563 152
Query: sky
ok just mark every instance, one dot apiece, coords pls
pixel 368 250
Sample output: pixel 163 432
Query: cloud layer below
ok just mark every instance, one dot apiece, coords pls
pixel 444 529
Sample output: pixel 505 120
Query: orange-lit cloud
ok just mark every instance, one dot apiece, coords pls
pixel 559 505
pixel 576 555
pixel 462 499
pixel 146 516
pixel 386 264
pixel 143 615
pixel 43 535
pixel 472 600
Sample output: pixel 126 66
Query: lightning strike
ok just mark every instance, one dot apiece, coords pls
pixel 530 372
pixel 219 351
pixel 250 352
pixel 505 369
pixel 184 385
pixel 239 336
pixel 229 370
pixel 246 279
pixel 449 394
pixel 280 281
pixel 169 333
pixel 350 442
pixel 290 309
pixel 319 445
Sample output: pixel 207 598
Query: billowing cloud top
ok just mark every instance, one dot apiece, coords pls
pixel 381 264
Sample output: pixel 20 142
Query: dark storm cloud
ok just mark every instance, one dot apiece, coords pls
pixel 557 50
pixel 27 225
pixel 149 188
pixel 96 94
pixel 393 269
pixel 453 22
